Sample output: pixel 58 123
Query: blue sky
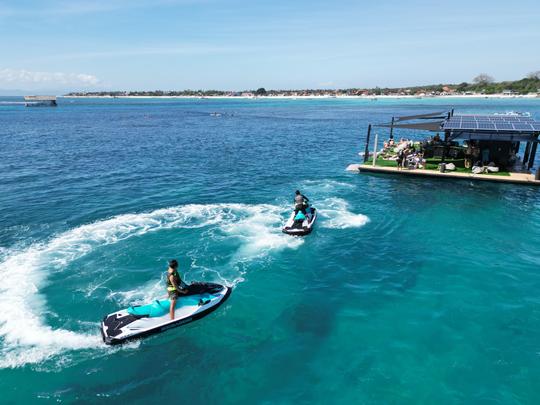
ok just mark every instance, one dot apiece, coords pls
pixel 232 44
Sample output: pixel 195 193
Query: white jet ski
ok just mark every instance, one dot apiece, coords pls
pixel 300 224
pixel 143 320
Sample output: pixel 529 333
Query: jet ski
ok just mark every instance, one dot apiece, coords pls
pixel 142 320
pixel 300 224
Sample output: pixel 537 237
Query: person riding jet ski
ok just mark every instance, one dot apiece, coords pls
pixel 185 303
pixel 300 203
pixel 175 285
pixel 302 218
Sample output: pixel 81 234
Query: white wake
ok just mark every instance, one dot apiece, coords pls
pixel 25 338
pixel 335 213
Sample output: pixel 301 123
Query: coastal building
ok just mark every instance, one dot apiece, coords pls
pixel 509 92
pixel 40 101
pixel 498 147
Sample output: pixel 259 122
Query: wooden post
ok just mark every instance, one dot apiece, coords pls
pixel 531 157
pixel 392 129
pixel 526 154
pixel 443 157
pixel 375 149
pixel 366 151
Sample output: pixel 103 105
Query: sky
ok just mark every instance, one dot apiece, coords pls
pixel 75 45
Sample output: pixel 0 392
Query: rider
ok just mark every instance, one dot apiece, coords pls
pixel 175 285
pixel 300 202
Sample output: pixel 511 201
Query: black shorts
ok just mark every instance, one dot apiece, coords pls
pixel 173 295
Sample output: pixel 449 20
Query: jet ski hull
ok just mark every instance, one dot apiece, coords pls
pixel 142 321
pixel 293 227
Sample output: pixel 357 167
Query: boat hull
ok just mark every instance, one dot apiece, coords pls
pixel 129 324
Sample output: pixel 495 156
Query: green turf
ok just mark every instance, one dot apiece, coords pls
pixel 432 164
pixel 381 162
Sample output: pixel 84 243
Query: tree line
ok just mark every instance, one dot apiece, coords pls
pixel 482 84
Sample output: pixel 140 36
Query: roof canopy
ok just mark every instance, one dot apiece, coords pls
pixel 428 121
pixel 433 126
pixel 433 115
pixel 500 127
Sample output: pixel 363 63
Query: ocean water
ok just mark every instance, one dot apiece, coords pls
pixel 408 291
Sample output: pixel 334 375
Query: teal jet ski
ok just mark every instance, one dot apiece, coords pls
pixel 300 224
pixel 142 320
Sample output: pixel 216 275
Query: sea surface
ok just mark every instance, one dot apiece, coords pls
pixel 409 291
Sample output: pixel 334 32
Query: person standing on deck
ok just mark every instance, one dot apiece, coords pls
pixel 399 159
pixel 406 153
pixel 175 285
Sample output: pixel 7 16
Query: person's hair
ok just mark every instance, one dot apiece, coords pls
pixel 297 191
pixel 173 264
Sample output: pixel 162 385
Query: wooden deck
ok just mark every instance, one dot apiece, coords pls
pixel 515 178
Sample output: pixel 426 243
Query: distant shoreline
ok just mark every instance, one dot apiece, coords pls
pixel 466 96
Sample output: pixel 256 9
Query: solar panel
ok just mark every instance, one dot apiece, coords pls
pixel 522 126
pixel 450 125
pixel 492 123
pixel 503 126
pixel 486 125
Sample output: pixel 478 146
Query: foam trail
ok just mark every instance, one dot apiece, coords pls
pixel 139 296
pixel 336 215
pixel 24 337
pixel 258 240
pixel 334 211
pixel 257 227
pixel 3 252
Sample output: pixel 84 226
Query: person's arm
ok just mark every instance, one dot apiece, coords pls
pixel 183 291
pixel 305 198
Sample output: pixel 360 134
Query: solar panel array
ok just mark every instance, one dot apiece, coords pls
pixel 492 123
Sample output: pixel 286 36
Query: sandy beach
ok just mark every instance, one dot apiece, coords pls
pixel 464 96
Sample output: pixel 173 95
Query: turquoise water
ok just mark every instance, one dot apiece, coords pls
pixel 408 290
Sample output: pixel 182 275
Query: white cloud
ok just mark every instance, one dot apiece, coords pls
pixel 11 78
